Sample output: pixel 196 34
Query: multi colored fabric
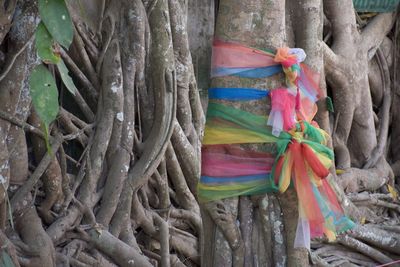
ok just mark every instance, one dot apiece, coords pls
pixel 229 125
pixel 237 60
pixel 228 170
pixel 295 152
pixel 230 59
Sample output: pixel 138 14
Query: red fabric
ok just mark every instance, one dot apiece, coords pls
pixel 304 188
pixel 314 162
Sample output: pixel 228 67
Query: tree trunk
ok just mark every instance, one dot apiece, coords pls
pixel 119 187
pixel 258 24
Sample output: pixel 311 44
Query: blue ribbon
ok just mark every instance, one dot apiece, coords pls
pixel 236 94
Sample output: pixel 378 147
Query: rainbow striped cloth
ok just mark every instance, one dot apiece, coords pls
pixel 294 151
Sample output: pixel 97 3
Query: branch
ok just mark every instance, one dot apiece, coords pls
pixel 41 168
pixel 165 99
pixel 186 155
pixel 341 15
pixel 384 112
pixel 164 239
pixel 92 76
pixel 364 249
pixel 375 31
pixel 91 91
pixel 334 66
pixel 10 63
pixel 78 122
pixel 388 241
pixel 331 60
pixel 184 196
pixel 120 252
pixel 6 17
pixel 367 196
pixel 20 123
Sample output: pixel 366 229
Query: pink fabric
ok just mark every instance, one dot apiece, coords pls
pixel 231 55
pixel 282 115
pixel 235 162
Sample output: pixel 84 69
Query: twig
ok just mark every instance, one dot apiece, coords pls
pixel 381 203
pixel 85 60
pixel 77 163
pixel 92 92
pixel 70 127
pixel 20 123
pixel 91 46
pixel 75 135
pixel 366 197
pixel 11 63
pixel 388 264
pixel 78 122
pixel 107 43
pixel 83 106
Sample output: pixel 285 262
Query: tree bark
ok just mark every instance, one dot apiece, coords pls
pixel 259 24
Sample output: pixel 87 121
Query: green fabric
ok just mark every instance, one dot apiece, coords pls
pixel 375 5
pixel 242 118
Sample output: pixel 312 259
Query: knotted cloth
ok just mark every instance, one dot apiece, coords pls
pixel 294 151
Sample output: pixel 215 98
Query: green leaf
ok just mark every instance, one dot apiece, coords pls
pixel 67 80
pixel 6 260
pixel 44 94
pixel 329 104
pixel 55 16
pixel 46 45
pixel 46 139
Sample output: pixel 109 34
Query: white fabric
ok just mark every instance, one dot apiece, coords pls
pixel 276 121
pixel 300 54
pixel 302 234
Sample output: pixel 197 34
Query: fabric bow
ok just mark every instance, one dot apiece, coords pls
pixel 290 60
pixel 305 160
pixel 304 154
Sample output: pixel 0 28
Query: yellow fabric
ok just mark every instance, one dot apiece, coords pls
pixel 230 135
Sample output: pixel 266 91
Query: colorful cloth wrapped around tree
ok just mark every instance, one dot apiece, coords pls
pixel 297 155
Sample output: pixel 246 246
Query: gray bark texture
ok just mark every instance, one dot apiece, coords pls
pixel 119 185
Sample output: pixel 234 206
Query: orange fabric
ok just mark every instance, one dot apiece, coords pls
pixel 282 56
